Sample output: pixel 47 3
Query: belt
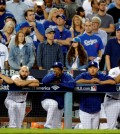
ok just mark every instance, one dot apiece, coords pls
pixel 112 97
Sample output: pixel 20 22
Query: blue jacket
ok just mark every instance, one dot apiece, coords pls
pixel 91 103
pixel 66 81
pixel 15 55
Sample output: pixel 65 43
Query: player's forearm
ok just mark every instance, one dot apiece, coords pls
pixel 22 83
pixel 6 79
pixel 107 60
pixel 111 82
pixel 83 81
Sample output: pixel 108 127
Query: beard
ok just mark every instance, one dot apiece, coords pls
pixel 2 9
pixel 23 77
pixel 40 13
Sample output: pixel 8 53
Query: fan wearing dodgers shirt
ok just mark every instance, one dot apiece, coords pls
pixel 90 104
pixel 16 101
pixel 91 42
pixel 112 100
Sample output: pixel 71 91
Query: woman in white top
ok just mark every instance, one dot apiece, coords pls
pixel 76 56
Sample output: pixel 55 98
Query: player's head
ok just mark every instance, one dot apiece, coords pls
pixel 58 68
pixel 93 68
pixel 24 72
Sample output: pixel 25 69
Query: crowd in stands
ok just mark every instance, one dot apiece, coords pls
pixel 93 22
pixel 74 32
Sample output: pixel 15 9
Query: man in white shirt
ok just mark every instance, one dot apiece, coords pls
pixel 16 101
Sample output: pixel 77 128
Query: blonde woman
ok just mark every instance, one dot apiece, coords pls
pixel 51 21
pixel 77 26
pixel 8 31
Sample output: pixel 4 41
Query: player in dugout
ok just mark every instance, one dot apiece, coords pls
pixel 53 102
pixel 16 100
pixel 90 104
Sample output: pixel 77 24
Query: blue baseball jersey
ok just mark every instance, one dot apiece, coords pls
pixel 63 35
pixel 65 81
pixel 92 44
pixel 91 103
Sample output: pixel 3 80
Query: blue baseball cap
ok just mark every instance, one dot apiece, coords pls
pixel 24 24
pixel 93 63
pixel 2 2
pixel 58 64
pixel 117 27
pixel 76 39
pixel 62 16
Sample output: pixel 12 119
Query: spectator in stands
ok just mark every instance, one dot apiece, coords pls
pixel 87 6
pixel 51 21
pixel 91 42
pixel 49 52
pixel 3 56
pixel 53 103
pixel 37 29
pixel 3 13
pixel 76 56
pixel 17 8
pixel 40 13
pixel 96 22
pixel 90 104
pixel 62 35
pixel 112 50
pixel 48 5
pixel 81 12
pixel 107 22
pixel 10 18
pixel 8 31
pixel 58 4
pixel 94 6
pixel 77 26
pixel 70 9
pixel 115 11
pixel 25 28
pixel 21 53
pixel 3 38
pixel 15 102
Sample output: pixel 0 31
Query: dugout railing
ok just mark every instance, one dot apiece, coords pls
pixel 68 97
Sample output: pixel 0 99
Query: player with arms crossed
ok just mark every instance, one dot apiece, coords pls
pixel 16 101
pixel 90 104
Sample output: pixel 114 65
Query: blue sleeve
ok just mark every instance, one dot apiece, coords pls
pixel 108 48
pixel 100 44
pixel 68 81
pixel 40 28
pixel 80 76
pixel 50 77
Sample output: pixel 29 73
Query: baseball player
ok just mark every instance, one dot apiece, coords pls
pixel 16 101
pixel 112 100
pixel 90 104
pixel 53 103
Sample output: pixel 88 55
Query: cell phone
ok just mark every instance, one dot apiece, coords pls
pixel 39 2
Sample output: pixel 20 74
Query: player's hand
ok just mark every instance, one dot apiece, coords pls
pixel 96 81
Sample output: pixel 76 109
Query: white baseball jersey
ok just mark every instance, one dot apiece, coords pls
pixel 114 72
pixel 3 55
pixel 18 96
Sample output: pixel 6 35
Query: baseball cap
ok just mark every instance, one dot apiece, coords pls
pixel 93 63
pixel 24 24
pixel 76 39
pixel 2 2
pixel 117 27
pixel 62 16
pixel 58 64
pixel 48 30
